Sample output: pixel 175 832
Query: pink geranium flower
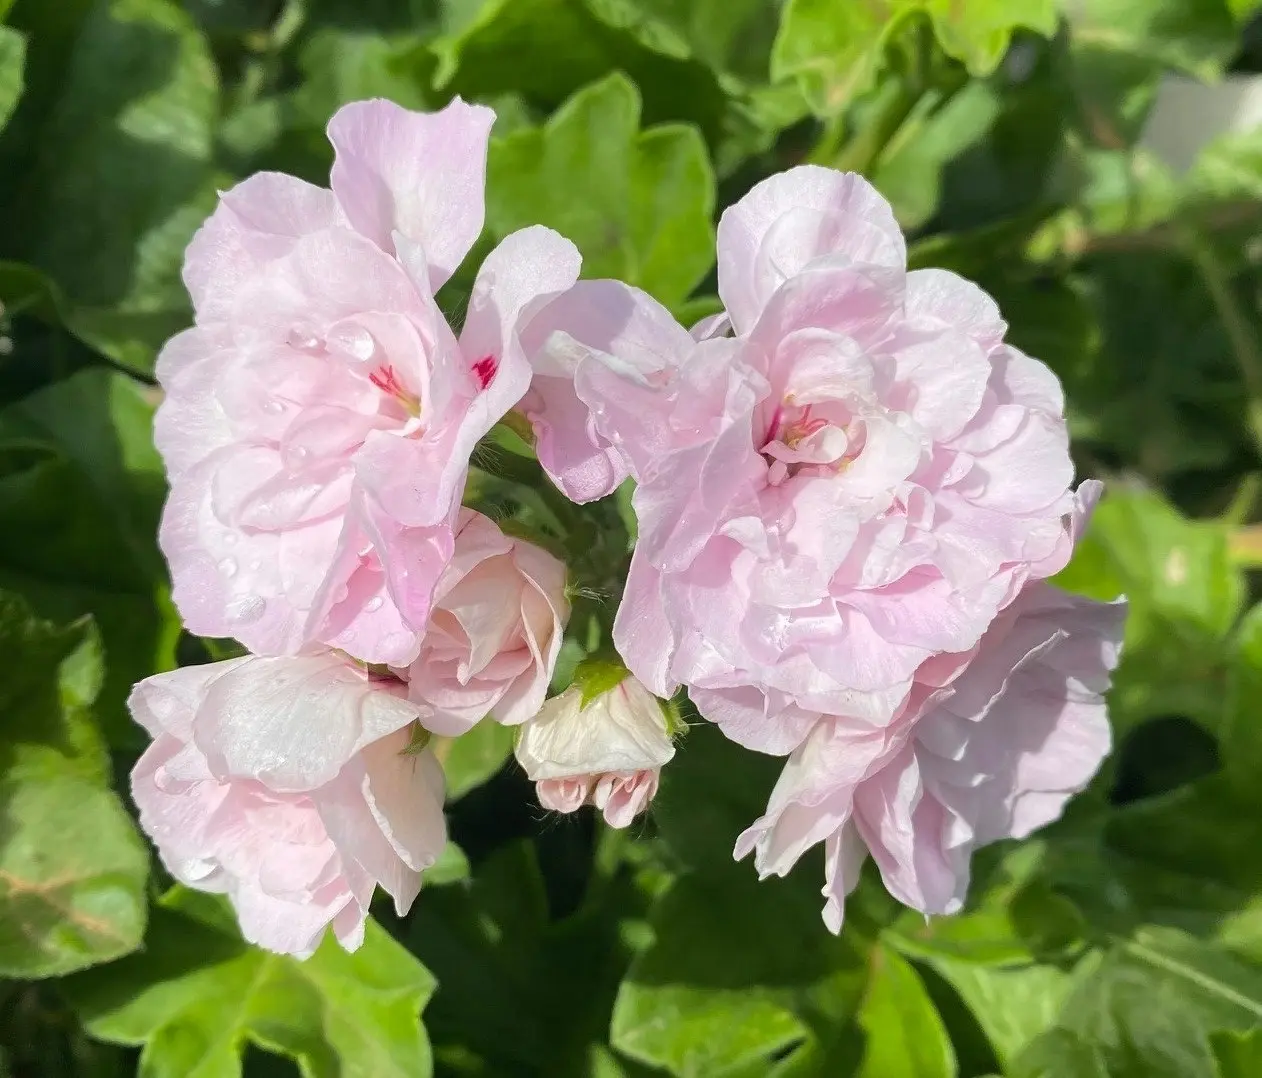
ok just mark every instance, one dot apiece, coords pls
pixel 283 783
pixel 861 478
pixel 320 415
pixel 494 634
pixel 990 745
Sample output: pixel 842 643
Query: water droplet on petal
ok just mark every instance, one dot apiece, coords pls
pixel 304 341
pixel 228 566
pixel 374 604
pixel 273 407
pixel 247 609
pixel 229 538
pixel 355 342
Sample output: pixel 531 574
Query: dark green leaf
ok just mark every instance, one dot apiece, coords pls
pixel 198 995
pixel 1151 1003
pixel 87 443
pixel 123 173
pixel 644 215
pixel 72 867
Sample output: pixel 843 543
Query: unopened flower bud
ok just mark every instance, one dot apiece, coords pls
pixel 602 742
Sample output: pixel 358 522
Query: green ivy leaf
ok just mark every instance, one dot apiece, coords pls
pixel 730 979
pixel 475 756
pixel 197 995
pixel 1196 36
pixel 647 197
pixel 905 1035
pixel 1151 1002
pixel 910 170
pixel 122 173
pixel 1239 1055
pixel 491 52
pixel 72 867
pixel 837 50
pixel 87 442
pixel 12 61
pixel 522 992
pixel 1059 1054
pixel 1185 595
pixel 1014 1005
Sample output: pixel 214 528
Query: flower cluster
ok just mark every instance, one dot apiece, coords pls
pixel 849 493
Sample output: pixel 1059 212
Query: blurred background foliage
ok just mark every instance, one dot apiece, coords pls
pixel 1123 942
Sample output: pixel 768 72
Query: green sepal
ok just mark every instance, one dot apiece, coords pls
pixel 597 676
pixel 418 741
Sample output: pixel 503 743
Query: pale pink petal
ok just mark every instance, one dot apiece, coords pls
pixel 949 300
pixel 419 174
pixel 256 222
pixel 789 220
pixel 293 723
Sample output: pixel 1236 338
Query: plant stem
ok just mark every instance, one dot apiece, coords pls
pixel 1235 322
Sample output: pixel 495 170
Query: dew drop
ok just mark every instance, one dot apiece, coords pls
pixel 273 407
pixel 229 538
pixel 247 610
pixel 304 342
pixel 374 604
pixel 228 567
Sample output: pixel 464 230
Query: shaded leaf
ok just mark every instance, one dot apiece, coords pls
pixel 647 198
pixel 198 995
pixel 123 174
pixel 72 867
pixel 87 442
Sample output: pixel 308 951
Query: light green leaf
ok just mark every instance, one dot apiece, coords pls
pixel 1239 1055
pixel 12 60
pixel 472 758
pixel 1013 1004
pixel 1151 1002
pixel 910 170
pixel 1059 1054
pixel 123 175
pixel 836 50
pixel 493 52
pixel 647 197
pixel 198 995
pixel 72 867
pixel 905 1036
pixel 731 36
pixel 1197 36
pixel 1185 595
pixel 727 982
pixel 87 442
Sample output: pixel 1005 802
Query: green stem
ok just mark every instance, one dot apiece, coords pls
pixel 1235 322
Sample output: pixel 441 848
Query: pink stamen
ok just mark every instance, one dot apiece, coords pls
pixel 485 369
pixel 388 382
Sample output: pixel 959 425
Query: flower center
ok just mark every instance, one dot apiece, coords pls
pixel 797 438
pixel 385 379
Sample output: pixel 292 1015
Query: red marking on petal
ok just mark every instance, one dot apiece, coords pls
pixel 485 369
